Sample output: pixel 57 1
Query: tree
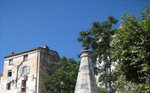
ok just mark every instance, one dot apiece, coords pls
pixel 98 40
pixel 102 90
pixel 64 79
pixel 132 50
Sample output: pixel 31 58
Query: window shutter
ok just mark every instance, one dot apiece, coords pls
pixel 20 70
pixel 28 71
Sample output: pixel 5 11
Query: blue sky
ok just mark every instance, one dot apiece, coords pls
pixel 27 24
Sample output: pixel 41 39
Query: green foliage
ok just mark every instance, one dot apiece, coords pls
pixel 102 90
pixel 98 39
pixel 64 79
pixel 131 46
pixel 127 47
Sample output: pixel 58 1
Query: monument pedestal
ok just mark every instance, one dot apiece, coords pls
pixel 86 82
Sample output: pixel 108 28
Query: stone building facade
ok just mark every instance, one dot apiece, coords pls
pixel 1 75
pixel 24 72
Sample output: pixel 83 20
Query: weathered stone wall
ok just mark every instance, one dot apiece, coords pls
pixel 37 70
pixel 31 73
pixel 1 82
pixel 44 71
pixel 86 82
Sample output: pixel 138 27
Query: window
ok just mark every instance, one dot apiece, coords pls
pixel 10 62
pixel 9 73
pixel 23 86
pixel 8 86
pixel 25 57
pixel 24 70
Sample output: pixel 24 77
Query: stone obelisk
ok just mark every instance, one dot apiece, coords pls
pixel 86 82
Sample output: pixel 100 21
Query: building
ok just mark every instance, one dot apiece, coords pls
pixel 0 82
pixel 24 72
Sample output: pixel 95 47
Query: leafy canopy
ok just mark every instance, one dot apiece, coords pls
pixel 64 79
pixel 98 39
pixel 132 50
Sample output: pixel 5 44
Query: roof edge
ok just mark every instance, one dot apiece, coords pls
pixel 1 74
pixel 38 48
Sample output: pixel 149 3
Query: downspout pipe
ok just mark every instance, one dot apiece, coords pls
pixel 17 73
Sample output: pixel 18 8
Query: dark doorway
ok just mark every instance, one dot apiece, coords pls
pixel 23 86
